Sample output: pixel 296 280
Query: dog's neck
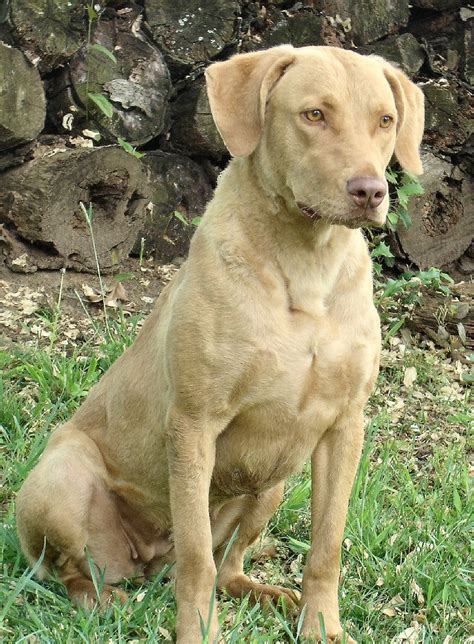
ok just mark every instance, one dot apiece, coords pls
pixel 312 256
pixel 276 208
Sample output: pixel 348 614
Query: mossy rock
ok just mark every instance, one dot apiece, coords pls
pixel 22 101
pixel 50 31
pixel 437 5
pixel 301 29
pixel 447 124
pixel 192 33
pixel 370 20
pixel 193 130
pixel 404 50
pixel 137 86
pixel 178 185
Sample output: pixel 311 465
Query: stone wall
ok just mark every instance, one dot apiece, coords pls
pixel 59 146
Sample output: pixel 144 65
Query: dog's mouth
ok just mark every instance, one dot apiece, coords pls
pixel 365 217
pixel 358 217
pixel 308 212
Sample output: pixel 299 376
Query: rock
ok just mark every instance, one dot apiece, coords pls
pixel 369 20
pixel 299 28
pixel 442 35
pixel 469 53
pixel 442 218
pixel 177 184
pixel 447 124
pixel 193 130
pixel 40 206
pixel 404 50
pixel 466 265
pixel 22 101
pixel 137 85
pixel 49 31
pixel 16 156
pixel 437 5
pixel 192 33
pixel 466 155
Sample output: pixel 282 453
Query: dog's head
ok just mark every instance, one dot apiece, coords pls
pixel 322 123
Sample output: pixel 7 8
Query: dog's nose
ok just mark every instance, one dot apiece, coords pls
pixel 367 191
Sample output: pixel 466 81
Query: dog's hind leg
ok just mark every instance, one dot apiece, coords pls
pixel 65 508
pixel 251 514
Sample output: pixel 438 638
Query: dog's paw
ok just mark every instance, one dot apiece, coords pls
pixel 264 594
pixel 334 636
pixel 82 592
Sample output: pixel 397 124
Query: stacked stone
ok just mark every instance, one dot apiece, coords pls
pixel 60 149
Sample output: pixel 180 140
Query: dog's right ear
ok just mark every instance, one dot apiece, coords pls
pixel 410 104
pixel 238 90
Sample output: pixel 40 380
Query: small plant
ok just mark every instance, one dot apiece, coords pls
pixel 195 221
pixel 406 186
pixel 128 147
pixel 89 214
pixel 411 281
pixel 100 100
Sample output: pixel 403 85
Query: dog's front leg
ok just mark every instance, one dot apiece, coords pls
pixel 333 465
pixel 191 453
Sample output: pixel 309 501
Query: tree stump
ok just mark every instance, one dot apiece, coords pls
pixel 299 28
pixel 137 85
pixel 369 20
pixel 192 33
pixel 448 115
pixel 404 50
pixel 178 185
pixel 40 205
pixel 22 101
pixel 193 129
pixel 442 218
pixel 49 31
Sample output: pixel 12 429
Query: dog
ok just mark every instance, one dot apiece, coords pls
pixel 258 356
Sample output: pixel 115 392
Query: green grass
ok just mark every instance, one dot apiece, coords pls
pixel 406 552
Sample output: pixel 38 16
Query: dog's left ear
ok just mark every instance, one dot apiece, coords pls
pixel 410 104
pixel 238 90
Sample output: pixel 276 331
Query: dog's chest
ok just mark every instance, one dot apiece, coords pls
pixel 307 378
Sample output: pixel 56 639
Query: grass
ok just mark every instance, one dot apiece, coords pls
pixel 406 552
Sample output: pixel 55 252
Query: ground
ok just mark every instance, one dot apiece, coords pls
pixel 405 559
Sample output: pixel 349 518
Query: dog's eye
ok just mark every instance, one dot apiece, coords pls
pixel 386 120
pixel 313 115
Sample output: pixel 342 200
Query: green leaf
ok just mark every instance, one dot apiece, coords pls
pixel 446 278
pixel 105 51
pixel 181 217
pixel 411 180
pixel 402 198
pixel 393 286
pixel 103 104
pixel 196 221
pixel 394 328
pixel 128 147
pixel 404 217
pixel 393 218
pixel 457 501
pixel 382 250
pixel 391 176
pixel 412 189
pixel 91 12
pixel 297 545
pixel 122 277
